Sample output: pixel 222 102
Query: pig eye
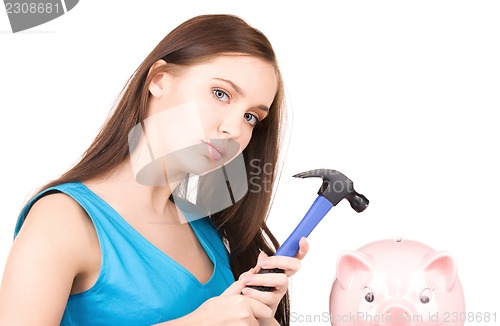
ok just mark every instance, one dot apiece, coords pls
pixel 426 295
pixel 368 293
pixel 369 297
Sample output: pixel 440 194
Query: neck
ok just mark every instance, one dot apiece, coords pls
pixel 125 193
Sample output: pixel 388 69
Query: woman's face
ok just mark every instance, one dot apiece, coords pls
pixel 203 115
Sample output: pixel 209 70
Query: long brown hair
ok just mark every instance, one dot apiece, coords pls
pixel 243 225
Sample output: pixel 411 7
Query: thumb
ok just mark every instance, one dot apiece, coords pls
pixel 234 288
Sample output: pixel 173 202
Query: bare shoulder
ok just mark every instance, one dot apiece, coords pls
pixel 55 245
pixel 56 215
pixel 58 226
pixel 59 219
pixel 56 204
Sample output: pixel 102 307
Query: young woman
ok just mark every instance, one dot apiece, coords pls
pixel 99 247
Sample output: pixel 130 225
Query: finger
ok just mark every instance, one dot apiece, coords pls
pixel 251 271
pixel 303 248
pixel 234 288
pixel 260 310
pixel 261 258
pixel 278 281
pixel 270 299
pixel 289 265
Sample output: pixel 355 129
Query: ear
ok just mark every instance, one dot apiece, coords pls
pixel 350 262
pixel 445 264
pixel 157 84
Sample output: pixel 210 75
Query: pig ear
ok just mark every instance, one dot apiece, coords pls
pixel 350 262
pixel 445 264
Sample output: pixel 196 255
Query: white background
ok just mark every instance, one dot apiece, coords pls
pixel 400 96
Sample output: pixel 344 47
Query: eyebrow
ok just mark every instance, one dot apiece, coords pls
pixel 240 91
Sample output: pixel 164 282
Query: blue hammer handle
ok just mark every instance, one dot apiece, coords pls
pixel 314 215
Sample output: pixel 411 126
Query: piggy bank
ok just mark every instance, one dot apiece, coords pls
pixel 396 282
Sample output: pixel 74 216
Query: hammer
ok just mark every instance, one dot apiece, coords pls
pixel 335 187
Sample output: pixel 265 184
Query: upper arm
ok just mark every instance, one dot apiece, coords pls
pixel 44 259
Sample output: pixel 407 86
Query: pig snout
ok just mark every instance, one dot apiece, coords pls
pixel 397 312
pixel 398 315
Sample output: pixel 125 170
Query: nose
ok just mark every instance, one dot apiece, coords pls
pixel 231 124
pixel 398 315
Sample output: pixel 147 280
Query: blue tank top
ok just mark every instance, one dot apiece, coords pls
pixel 138 284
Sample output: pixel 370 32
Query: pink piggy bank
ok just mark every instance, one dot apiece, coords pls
pixel 397 282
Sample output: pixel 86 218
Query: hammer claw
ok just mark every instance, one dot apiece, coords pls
pixel 316 173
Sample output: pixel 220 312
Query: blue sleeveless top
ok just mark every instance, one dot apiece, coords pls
pixel 138 284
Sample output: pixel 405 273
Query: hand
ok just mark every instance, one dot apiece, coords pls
pixel 230 308
pixel 253 307
pixel 278 281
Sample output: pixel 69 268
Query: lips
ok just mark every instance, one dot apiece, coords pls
pixel 216 151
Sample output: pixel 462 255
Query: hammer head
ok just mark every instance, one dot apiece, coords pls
pixel 336 187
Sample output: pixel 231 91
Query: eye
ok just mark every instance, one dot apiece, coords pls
pixel 251 118
pixel 368 293
pixel 426 296
pixel 221 95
